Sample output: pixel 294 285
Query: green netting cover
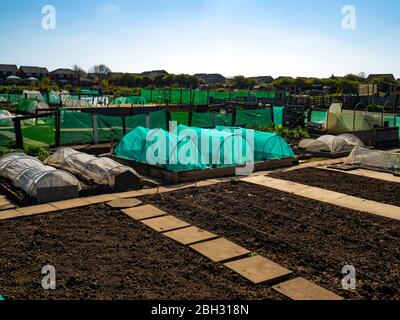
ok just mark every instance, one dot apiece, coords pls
pixel 254 118
pixel 318 116
pixel 135 121
pixel 182 118
pixel 191 148
pixel 76 128
pixel 25 105
pixel 224 119
pixel 39 131
pixel 109 127
pixel 132 100
pixel 158 119
pixel 278 115
pixel 203 120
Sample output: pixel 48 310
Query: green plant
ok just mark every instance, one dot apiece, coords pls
pixel 37 152
pixel 297 133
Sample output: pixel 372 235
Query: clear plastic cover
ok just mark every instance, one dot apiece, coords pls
pixel 330 143
pixel 374 159
pixel 29 174
pixel 100 170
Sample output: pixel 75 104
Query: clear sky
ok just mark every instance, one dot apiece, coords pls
pixel 249 37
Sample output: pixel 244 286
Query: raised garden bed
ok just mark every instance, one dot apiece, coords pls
pixel 100 253
pixel 350 184
pixel 313 239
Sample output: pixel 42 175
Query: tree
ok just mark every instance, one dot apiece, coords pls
pixel 79 70
pixel 100 71
pixel 241 82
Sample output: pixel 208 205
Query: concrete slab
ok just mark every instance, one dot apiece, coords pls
pixel 9 214
pixel 258 269
pixel 191 235
pixel 335 198
pixel 33 210
pixel 70 204
pixel 144 212
pixel 220 250
pixel 302 289
pixel 100 199
pixel 166 223
pixel 124 203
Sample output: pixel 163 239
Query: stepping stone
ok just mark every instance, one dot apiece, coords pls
pixel 9 214
pixel 259 270
pixel 220 250
pixel 167 223
pixel 70 204
pixel 43 208
pixel 190 235
pixel 100 199
pixel 144 212
pixel 124 203
pixel 302 289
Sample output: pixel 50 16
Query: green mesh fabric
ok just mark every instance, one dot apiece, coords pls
pixel 191 148
pixel 131 100
pixel 135 121
pixel 224 119
pixel 254 118
pixel 278 115
pixel 109 128
pixel 76 128
pixel 158 119
pixel 203 120
pixel 319 116
pixel 39 132
pixel 390 120
pixel 182 118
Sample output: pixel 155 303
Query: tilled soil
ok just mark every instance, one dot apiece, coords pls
pixel 99 253
pixel 313 239
pixel 350 184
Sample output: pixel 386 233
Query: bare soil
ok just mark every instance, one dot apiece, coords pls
pixel 313 239
pixel 99 253
pixel 350 184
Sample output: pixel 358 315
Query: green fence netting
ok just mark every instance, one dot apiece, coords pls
pixel 131 100
pixel 182 118
pixel 224 119
pixel 318 116
pixel 254 118
pixel 158 119
pixel 203 120
pixel 278 115
pixel 40 131
pixel 135 121
pixel 76 128
pixel 198 97
pixel 109 128
pixel 7 132
pixel 191 148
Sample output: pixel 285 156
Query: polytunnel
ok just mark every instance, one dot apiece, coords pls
pixel 329 143
pixel 191 148
pixel 374 160
pixel 37 180
pixel 102 171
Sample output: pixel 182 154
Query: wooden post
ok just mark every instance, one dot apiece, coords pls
pixel 19 142
pixel 58 128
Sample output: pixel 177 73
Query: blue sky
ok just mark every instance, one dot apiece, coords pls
pixel 249 37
